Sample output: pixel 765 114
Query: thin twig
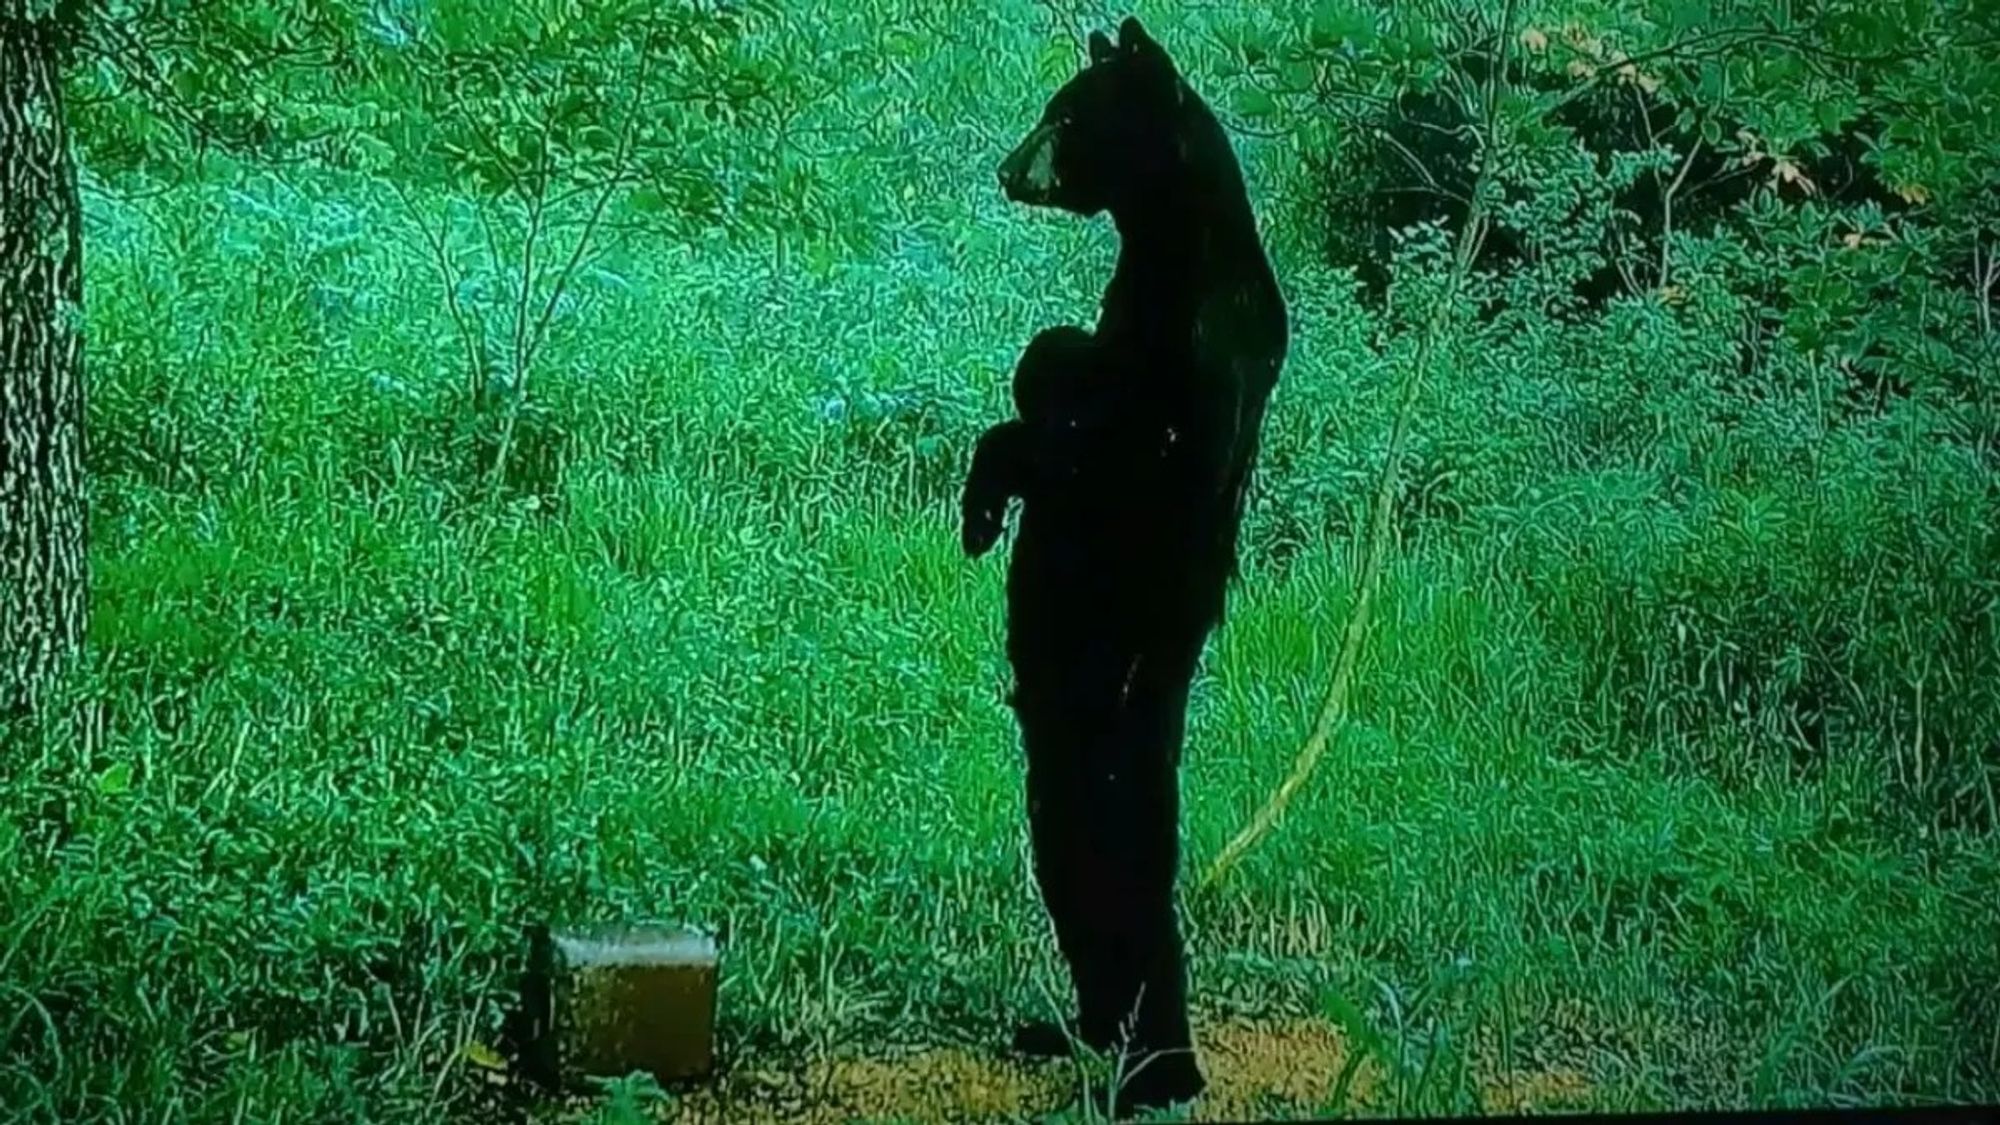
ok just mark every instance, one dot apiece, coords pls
pixel 1988 275
pixel 531 345
pixel 525 287
pixel 1667 191
pixel 1333 710
pixel 474 353
pixel 1724 41
pixel 1667 212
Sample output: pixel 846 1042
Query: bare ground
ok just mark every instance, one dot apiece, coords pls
pixel 1257 1070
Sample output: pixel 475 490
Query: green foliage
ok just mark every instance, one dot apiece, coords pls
pixel 1804 490
pixel 1757 89
pixel 524 99
pixel 1671 780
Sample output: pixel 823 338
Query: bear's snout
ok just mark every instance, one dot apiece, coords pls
pixel 1028 174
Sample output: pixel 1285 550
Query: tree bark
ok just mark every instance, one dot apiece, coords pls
pixel 44 574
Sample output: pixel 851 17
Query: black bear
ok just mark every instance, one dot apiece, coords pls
pixel 1117 578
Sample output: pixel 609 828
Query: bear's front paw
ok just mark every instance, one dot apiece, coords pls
pixel 979 530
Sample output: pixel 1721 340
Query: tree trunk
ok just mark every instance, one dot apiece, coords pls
pixel 43 571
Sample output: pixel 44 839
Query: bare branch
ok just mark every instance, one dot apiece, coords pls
pixel 475 352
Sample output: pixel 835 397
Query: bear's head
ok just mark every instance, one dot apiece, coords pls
pixel 1107 132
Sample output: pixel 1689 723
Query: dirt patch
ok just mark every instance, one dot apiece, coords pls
pixel 935 1084
pixel 1548 1066
pixel 1256 1069
pixel 954 1082
pixel 1279 1068
pixel 1535 1093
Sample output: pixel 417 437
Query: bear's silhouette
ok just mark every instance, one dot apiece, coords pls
pixel 1118 576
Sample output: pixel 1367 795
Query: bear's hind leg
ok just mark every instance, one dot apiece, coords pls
pixel 1144 836
pixel 1063 705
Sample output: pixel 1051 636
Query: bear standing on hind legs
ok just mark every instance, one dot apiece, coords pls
pixel 1117 579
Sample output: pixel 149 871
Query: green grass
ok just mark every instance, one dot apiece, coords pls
pixel 353 721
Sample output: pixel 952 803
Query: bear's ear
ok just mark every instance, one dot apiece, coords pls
pixel 1132 38
pixel 1100 47
pixel 1136 44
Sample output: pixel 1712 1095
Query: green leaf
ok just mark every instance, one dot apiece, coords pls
pixel 371 152
pixel 1335 22
pixel 116 780
pixel 1252 101
pixel 1055 62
